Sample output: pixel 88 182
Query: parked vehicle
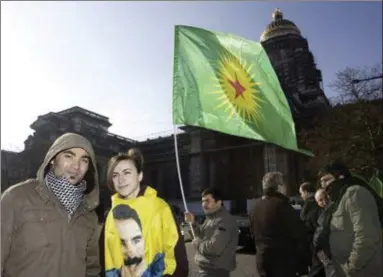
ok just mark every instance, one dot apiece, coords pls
pixel 245 238
pixel 185 227
pixel 296 200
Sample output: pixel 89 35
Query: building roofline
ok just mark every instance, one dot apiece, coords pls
pixel 121 138
pixel 88 112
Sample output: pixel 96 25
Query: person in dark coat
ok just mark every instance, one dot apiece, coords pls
pixel 277 230
pixel 309 215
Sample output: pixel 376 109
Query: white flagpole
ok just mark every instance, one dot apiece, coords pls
pixel 179 175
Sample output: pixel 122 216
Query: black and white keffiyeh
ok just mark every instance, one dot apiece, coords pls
pixel 70 196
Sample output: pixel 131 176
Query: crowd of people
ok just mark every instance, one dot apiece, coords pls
pixel 49 225
pixel 338 234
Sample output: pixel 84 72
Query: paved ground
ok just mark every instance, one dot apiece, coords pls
pixel 245 263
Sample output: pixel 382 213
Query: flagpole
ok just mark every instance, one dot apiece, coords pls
pixel 179 176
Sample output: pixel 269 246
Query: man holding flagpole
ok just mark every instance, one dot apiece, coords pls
pixel 216 239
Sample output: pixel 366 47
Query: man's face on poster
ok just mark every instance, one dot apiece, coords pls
pixel 133 245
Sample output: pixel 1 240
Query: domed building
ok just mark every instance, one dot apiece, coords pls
pixel 295 66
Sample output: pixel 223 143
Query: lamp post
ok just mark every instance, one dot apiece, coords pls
pixel 357 81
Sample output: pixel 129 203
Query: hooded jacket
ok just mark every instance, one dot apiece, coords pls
pixel 309 215
pixel 355 234
pixel 164 249
pixel 37 236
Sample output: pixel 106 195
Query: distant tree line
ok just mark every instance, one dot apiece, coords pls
pixel 352 130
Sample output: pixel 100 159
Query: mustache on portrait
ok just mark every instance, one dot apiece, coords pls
pixel 132 261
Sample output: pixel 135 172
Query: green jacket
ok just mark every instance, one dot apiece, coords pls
pixel 356 235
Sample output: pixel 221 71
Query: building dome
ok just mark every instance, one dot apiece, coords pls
pixel 279 27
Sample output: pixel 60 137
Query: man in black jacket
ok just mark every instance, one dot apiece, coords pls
pixel 278 232
pixel 309 215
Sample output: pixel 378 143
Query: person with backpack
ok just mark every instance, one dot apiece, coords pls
pixel 350 237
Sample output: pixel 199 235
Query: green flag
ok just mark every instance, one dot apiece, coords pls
pixel 376 182
pixel 226 83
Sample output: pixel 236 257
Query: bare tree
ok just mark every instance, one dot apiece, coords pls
pixel 352 129
pixel 350 92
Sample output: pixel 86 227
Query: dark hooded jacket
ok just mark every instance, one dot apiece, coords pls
pixel 309 215
pixel 37 236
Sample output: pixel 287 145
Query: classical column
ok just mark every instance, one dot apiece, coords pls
pixel 269 158
pixel 197 166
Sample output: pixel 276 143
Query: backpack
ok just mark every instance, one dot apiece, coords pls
pixel 360 181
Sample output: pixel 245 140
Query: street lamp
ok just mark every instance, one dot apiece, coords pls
pixel 357 81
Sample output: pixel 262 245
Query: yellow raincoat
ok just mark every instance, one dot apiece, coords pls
pixel 165 252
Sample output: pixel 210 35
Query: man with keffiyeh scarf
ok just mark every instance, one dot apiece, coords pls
pixel 48 225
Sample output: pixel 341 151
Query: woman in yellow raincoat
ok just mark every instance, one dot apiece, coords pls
pixel 142 238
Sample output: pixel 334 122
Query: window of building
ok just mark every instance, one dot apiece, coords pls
pixel 77 124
